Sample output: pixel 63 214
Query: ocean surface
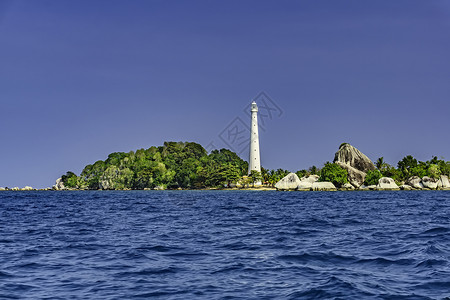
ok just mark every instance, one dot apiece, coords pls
pixel 224 245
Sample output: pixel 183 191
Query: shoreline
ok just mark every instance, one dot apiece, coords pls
pixel 262 189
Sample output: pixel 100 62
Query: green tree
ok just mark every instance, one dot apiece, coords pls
pixel 92 173
pixel 434 171
pixel 255 177
pixel 444 167
pixel 372 177
pixel 144 179
pixel 230 174
pixel 273 179
pixel 265 175
pixel 69 179
pixel 380 163
pixel 314 170
pixel 302 173
pixel 419 170
pixel 333 173
pixel 406 164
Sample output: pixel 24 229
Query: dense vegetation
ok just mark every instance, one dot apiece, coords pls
pixel 334 173
pixel 188 166
pixel 173 165
pixel 409 166
pixel 372 177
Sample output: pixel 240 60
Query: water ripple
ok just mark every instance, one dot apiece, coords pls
pixel 224 245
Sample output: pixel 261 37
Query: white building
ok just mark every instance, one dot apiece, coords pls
pixel 254 162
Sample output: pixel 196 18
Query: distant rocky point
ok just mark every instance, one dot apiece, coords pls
pixel 26 188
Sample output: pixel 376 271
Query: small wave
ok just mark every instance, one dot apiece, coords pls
pixel 434 250
pixel 4 274
pixel 158 294
pixel 158 248
pixel 380 261
pixel 437 230
pixel 434 285
pixel 239 246
pixel 431 263
pixel 149 271
pixel 318 257
pixel 6 241
pixel 238 266
pixel 235 208
pixel 182 254
pixel 86 246
pixel 429 233
pixel 333 288
pixel 17 287
pixel 30 265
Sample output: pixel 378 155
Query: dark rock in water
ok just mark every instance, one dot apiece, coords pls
pixel 349 155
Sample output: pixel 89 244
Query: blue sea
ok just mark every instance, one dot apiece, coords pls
pixel 224 245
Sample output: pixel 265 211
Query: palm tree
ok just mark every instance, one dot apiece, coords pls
pixel 380 163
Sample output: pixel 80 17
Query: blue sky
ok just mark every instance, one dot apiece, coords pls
pixel 82 79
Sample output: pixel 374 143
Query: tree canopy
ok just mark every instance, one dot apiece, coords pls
pixel 173 165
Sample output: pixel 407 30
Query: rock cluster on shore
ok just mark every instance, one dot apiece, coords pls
pixel 291 182
pixel 357 165
pixel 427 183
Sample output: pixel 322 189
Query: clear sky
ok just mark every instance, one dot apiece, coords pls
pixel 82 79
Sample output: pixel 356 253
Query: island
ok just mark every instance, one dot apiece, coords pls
pixel 187 165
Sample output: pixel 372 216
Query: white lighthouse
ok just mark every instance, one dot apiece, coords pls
pixel 254 159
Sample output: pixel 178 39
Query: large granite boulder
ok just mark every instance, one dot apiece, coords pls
pixel 443 182
pixel 289 182
pixel 323 186
pixel 304 186
pixel 349 155
pixel 347 187
pixel 405 187
pixel 310 178
pixel 59 185
pixel 363 188
pixel 430 183
pixel 306 182
pixel 386 183
pixel 415 182
pixel 355 177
